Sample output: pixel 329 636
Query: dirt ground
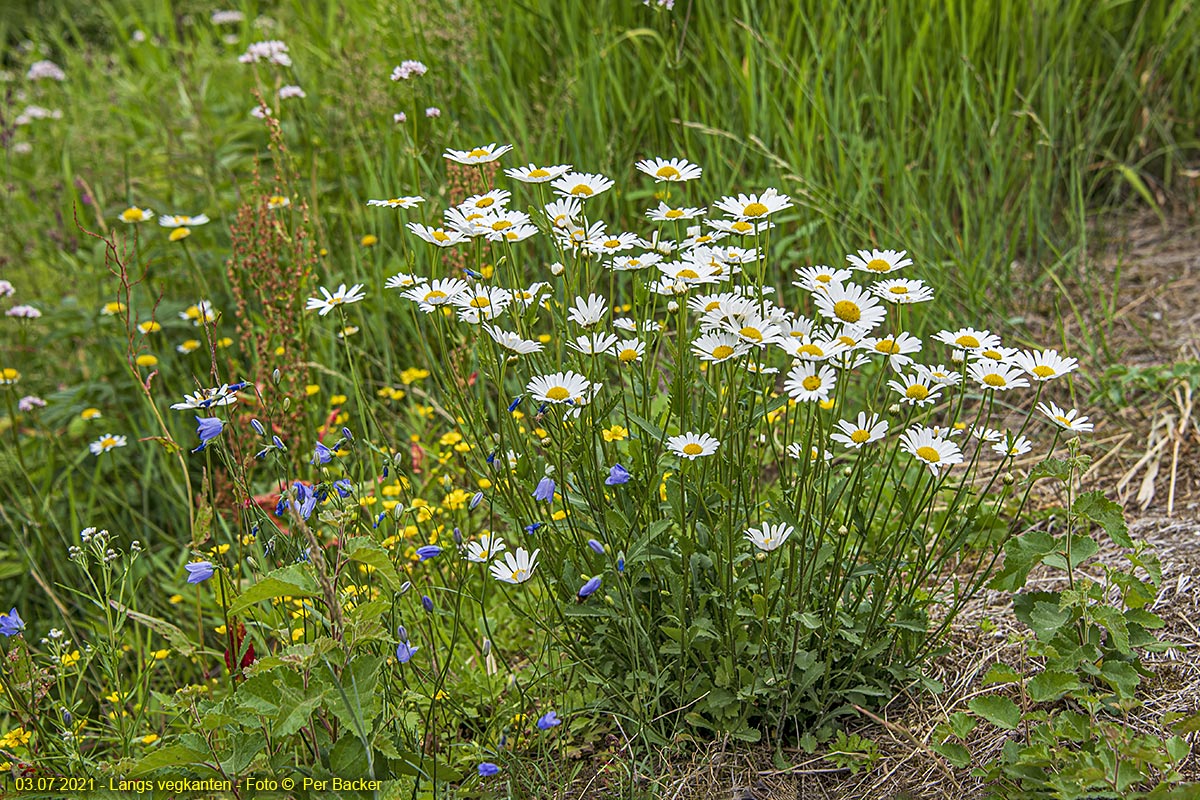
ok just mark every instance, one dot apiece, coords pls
pixel 1141 310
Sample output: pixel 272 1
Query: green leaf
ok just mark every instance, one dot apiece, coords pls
pixel 290 581
pixel 1105 513
pixel 1000 711
pixel 365 551
pixel 1114 621
pixel 175 755
pixel 1000 674
pixel 1051 685
pixel 955 753
pixel 1047 619
pixel 1122 677
pixel 1050 468
pixel 1083 547
pixel 1021 554
pixel 348 758
pixel 961 724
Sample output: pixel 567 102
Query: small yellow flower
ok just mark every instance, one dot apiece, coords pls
pixel 559 515
pixel 337 399
pixel 412 375
pixel 146 360
pixel 451 438
pixel 150 738
pixel 483 483
pixel 220 550
pixel 311 389
pixel 189 345
pixel 17 737
pixel 297 634
pixel 224 341
pixel 543 338
pixel 160 655
pixel 826 404
pixel 90 413
pixel 9 375
pixel 220 630
pixel 280 350
pixel 149 326
pixel 462 447
pixel 615 434
pixel 180 233
pixel 369 240
pixel 112 308
pixel 70 659
pixel 175 599
pixel 487 271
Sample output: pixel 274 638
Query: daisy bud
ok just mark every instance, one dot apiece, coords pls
pixel 1009 479
pixel 545 441
pixel 894 409
pixel 760 556
pixel 511 360
pixel 848 471
pixel 287 403
pixel 276 376
pixel 672 307
pixel 557 268
pixel 608 599
pixel 843 530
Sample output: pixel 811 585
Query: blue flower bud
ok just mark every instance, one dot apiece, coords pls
pixel 258 427
pixel 588 588
pixel 596 546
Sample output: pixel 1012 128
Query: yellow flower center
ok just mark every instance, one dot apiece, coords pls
pixel 899 290
pixel 1042 371
pixel 848 341
pixel 995 355
pixel 847 311
pixel 434 295
pixel 741 226
pixel 440 236
pixel 9 374
pixel 179 233
pixel 811 383
pixel 824 277
pixel 582 189
pixel 484 202
pixel 482 301
pixel 992 379
pixel 860 436
pixel 751 332
pixel 966 340
pixel 755 210
pixel 722 351
pixel 692 449
pixel 628 354
pixel 558 393
pixel 501 224
pixel 916 391
pixel 613 243
pixel 888 346
pixel 712 305
pixel 674 213
pixel 667 172
pixel 538 173
pixel 478 152
pixel 929 454
pixel 810 349
pixel 1066 422
pixel 108 441
pixel 879 265
pixel 687 273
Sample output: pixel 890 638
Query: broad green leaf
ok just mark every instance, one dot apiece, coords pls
pixel 1050 468
pixel 365 551
pixel 1021 554
pixel 1000 711
pixel 1050 685
pixel 1000 674
pixel 174 755
pixel 290 581
pixel 1047 619
pixel 955 753
pixel 961 724
pixel 1105 513
pixel 1122 677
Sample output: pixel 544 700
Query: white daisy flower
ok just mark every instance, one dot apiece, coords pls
pixel 516 568
pixel 199 314
pixel 398 202
pixel 769 537
pixel 968 339
pixel 813 349
pixel 181 220
pixel 879 262
pixel 895 348
pixel 807 382
pixel 937 453
pixel 673 169
pixel 985 434
pixel 484 549
pixel 755 330
pixel 403 280
pixel 754 206
pixel 527 297
pixel 341 297
pixel 629 351
pixel 1045 365
pixel 587 313
pixel 563 213
pixel 916 390
pixel 998 353
pixel 593 343
pixel 940 374
pixel 692 445
pixel 581 185
pixel 691 272
pixel 1068 420
pixel 902 291
pixel 851 304
pixel 1011 446
pixel 698 237
pixel 863 430
pixel 718 347
pixel 135 214
pixel 481 302
pixel 630 263
pixel 560 387
pixel 441 292
pixel 106 442
pixel 511 341
pixel 611 244
pixel 666 213
pixel 814 453
pixel 739 227
pixel 536 174
pixel 994 375
pixel 486 202
pixel 437 236
pixel 208 398
pixel 477 155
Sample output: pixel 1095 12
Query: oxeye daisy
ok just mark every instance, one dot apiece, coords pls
pixel 968 339
pixel 612 243
pixel 587 313
pixel 563 213
pixel 879 262
pixel 895 348
pixel 666 213
pixel 277 201
pixel 807 381
pixel 9 376
pixel 940 374
pixel 718 347
pixel 863 430
pixel 437 236
pixel 936 453
pixel 769 537
pixel 814 278
pixel 398 202
pixel 739 227
pixel 1011 447
pixel 107 442
pixel 134 214
pixel 674 169
pixel 481 303
pixel 629 351
pixel 916 390
pixel 754 206
pixel 689 273
pixel 511 341
pixel 813 349
pixel 849 303
pixel 429 296
pixel 559 387
pixel 516 568
pixel 1068 420
pixel 815 454
pixel 222 395
pixel 181 220
pixel 994 375
pixel 755 330
pixel 536 174
pixel 998 353
pixel 484 549
pixel 1044 365
pixel 693 445
pixel 984 434
pixel 581 185
pixel 199 314
pixel 332 300
pixel 593 343
pixel 902 291
pixel 527 297
pixel 477 155
pixel 403 280
pixel 630 263
pixel 496 198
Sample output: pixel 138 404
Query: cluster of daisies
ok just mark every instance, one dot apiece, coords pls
pixel 693 262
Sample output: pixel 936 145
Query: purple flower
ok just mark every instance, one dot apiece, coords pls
pixel 404 652
pixel 513 405
pixel 258 427
pixel 427 601
pixel 23 312
pixel 11 623
pixel 428 551
pixel 400 118
pixel 595 545
pixel 209 428
pixel 548 720
pixel 306 499
pixel 321 455
pixel 590 587
pixel 617 476
pixel 30 402
pixel 344 487
pixel 433 112
pixel 487 769
pixel 199 571
pixel 534 527
pixel 544 490
pixel 475 501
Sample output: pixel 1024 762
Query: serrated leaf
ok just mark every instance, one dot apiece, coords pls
pixel 961 724
pixel 1047 619
pixel 955 753
pixel 365 551
pixel 1000 711
pixel 1000 674
pixel 1021 554
pixel 1050 685
pixel 1050 468
pixel 290 581
pixel 174 755
pixel 1105 513
pixel 1122 677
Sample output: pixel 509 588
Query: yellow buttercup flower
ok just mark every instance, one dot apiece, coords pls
pixel 369 240
pixel 616 433
pixel 146 360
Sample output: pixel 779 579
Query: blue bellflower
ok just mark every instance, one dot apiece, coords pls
pixel 11 623
pixel 548 720
pixel 617 476
pixel 544 490
pixel 209 428
pixel 589 588
pixel 199 571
